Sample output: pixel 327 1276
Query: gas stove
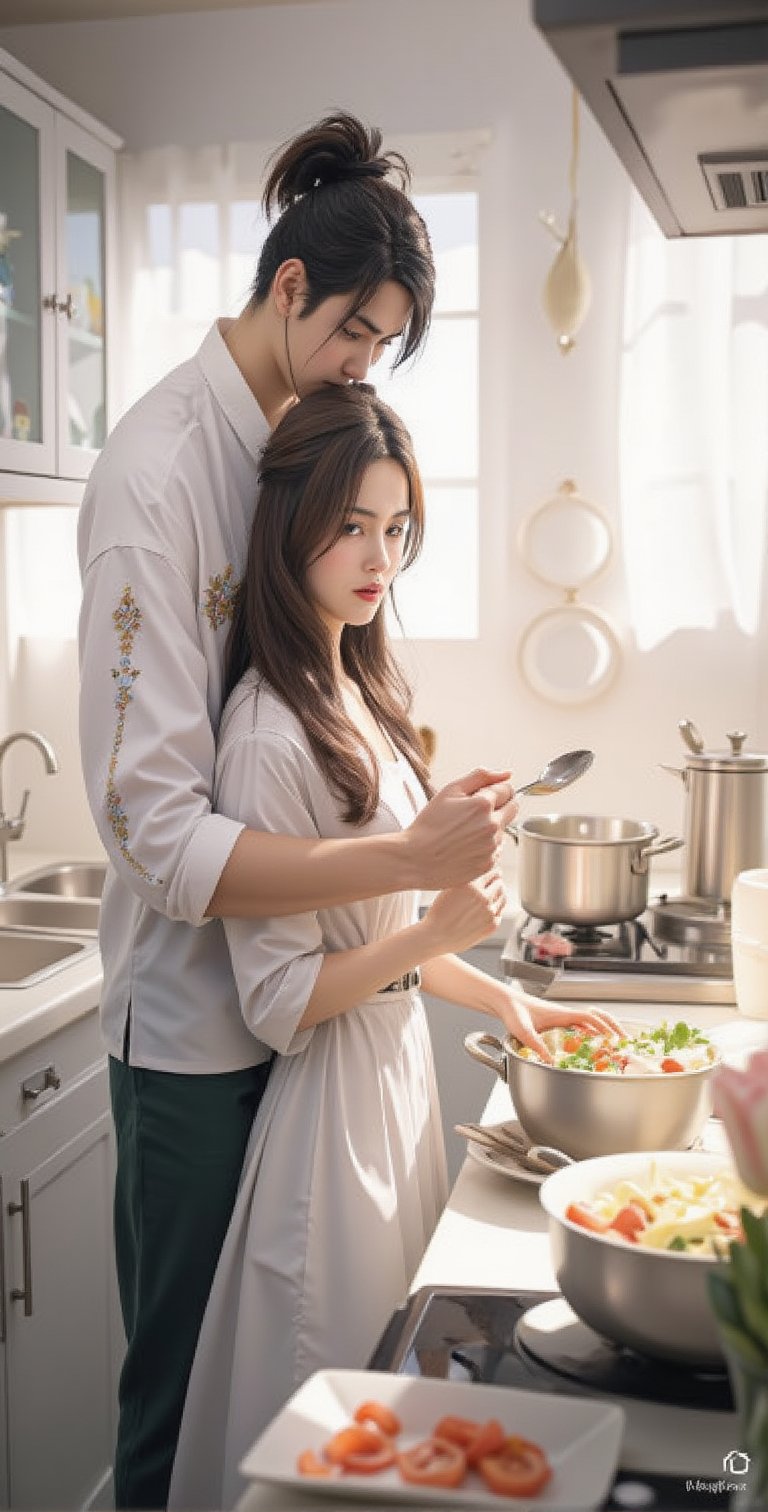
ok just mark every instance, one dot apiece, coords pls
pixel 636 961
pixel 681 1430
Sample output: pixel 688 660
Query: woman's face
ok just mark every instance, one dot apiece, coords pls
pixel 347 582
pixel 320 351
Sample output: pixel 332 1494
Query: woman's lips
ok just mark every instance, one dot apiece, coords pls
pixel 369 594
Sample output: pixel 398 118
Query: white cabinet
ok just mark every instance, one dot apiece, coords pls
pixel 59 1317
pixel 57 245
pixel 464 1085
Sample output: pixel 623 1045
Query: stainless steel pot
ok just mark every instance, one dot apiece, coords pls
pixel 586 1113
pixel 726 813
pixel 655 1301
pixel 585 869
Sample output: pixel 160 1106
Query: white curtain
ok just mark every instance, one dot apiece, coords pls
pixel 191 230
pixel 693 439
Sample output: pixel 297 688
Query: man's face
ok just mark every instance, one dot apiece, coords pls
pixel 320 351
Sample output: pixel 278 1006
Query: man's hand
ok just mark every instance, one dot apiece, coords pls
pixel 458 836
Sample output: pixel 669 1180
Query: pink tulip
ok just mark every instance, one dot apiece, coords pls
pixel 741 1100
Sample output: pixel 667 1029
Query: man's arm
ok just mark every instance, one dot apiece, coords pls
pixel 455 838
pixel 148 753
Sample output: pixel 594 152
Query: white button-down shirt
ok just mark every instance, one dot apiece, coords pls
pixel 163 537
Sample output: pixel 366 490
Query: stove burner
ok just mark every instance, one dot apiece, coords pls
pixel 558 955
pixel 586 934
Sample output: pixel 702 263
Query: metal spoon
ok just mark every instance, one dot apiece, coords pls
pixel 558 773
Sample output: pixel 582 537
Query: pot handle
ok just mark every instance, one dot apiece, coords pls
pixel 473 1045
pixel 680 772
pixel 511 829
pixel 667 843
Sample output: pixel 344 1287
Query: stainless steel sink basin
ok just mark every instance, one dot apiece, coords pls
pixel 66 879
pixel 26 959
pixel 23 911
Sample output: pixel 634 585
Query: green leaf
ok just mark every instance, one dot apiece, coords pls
pixel 723 1297
pixel 744 1346
pixel 756 1233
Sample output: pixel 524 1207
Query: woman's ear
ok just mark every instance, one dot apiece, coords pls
pixel 289 285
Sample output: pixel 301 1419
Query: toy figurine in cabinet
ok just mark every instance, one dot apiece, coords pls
pixel 6 270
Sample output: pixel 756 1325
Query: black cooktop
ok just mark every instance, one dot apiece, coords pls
pixel 473 1335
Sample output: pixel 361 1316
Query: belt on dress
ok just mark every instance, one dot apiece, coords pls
pixel 411 979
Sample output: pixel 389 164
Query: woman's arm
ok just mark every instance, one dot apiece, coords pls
pixel 457 919
pixel 521 1014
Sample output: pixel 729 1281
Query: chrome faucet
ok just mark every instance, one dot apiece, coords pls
pixel 13 829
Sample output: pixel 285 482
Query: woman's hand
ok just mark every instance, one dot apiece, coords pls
pixel 527 1017
pixel 461 916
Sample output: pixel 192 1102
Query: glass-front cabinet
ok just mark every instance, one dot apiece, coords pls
pixel 56 239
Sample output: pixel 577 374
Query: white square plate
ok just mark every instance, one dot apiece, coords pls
pixel 581 1438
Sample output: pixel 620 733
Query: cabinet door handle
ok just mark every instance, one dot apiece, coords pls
pixel 42 1081
pixel 24 1294
pixel 60 306
pixel 3 1320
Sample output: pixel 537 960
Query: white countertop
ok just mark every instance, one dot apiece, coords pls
pixel 493 1231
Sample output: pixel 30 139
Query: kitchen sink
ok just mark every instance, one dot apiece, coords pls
pixel 19 911
pixel 26 959
pixel 66 879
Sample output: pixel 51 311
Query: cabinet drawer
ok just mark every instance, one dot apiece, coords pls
pixel 68 1053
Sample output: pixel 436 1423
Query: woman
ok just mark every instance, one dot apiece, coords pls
pixel 345 271
pixel 345 1172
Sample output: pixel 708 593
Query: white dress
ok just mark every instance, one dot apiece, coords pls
pixel 344 1178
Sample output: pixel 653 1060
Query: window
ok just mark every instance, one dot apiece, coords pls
pixel 437 397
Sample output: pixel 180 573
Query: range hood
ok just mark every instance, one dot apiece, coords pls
pixel 680 88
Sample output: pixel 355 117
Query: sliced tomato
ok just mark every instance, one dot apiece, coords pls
pixel 572 1041
pixel 360 1450
pixel 309 1463
pixel 433 1462
pixel 578 1212
pixel 519 1468
pixel 456 1430
pixel 382 1418
pixel 476 1439
pixel 630 1221
pixel 670 1064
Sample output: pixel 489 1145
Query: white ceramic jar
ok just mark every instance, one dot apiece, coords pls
pixel 749 941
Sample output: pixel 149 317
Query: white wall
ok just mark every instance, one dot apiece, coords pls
pixel 434 65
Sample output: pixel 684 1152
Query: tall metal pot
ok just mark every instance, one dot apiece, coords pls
pixel 585 869
pixel 726 813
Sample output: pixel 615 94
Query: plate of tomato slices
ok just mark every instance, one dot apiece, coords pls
pixel 368 1434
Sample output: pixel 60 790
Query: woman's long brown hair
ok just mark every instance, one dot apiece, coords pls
pixel 311 472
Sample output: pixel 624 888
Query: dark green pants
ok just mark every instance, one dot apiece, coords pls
pixel 180 1146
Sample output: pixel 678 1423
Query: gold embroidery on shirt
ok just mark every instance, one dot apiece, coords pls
pixel 218 604
pixel 127 622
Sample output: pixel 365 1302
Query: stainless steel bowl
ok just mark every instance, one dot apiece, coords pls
pixel 655 1301
pixel 587 1114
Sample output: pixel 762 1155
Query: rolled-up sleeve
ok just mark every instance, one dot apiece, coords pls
pixel 147 742
pixel 265 779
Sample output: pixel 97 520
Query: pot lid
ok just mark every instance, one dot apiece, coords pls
pixel 733 760
pixel 722 761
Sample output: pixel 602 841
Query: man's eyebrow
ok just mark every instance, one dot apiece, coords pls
pixel 374 329
pixel 371 514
